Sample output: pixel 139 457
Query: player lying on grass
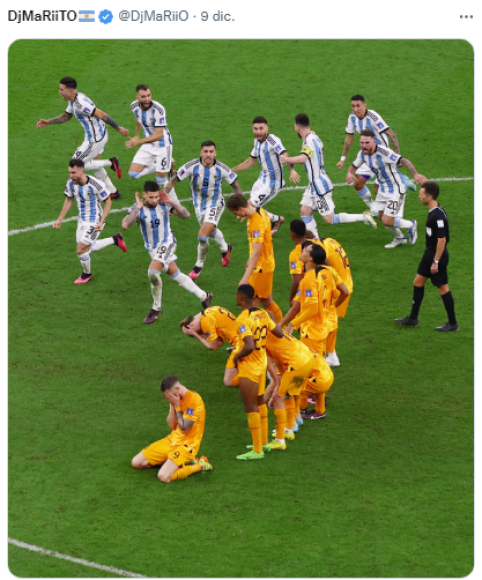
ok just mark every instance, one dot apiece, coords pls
pixel 177 452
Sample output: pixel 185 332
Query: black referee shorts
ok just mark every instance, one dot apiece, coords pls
pixel 439 278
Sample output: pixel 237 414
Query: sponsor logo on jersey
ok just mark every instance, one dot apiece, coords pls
pixel 232 175
pixel 292 265
pixel 307 293
pixel 429 231
pixel 380 125
pixel 278 149
pixel 393 157
pixel 242 329
pixel 440 223
pixel 256 234
pixel 190 412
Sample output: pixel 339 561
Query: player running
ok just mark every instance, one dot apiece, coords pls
pixel 151 212
pixel 206 175
pixel 319 193
pixel 267 149
pixel 93 122
pixel 89 193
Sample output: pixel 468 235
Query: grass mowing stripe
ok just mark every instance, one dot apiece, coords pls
pixel 54 554
pixel 117 210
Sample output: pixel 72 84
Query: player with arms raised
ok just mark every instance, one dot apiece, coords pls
pixel 93 122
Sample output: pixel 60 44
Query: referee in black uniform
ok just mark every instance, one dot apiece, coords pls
pixel 435 260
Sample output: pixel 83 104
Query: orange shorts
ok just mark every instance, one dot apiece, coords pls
pixel 160 451
pixel 341 310
pixel 262 282
pixel 319 381
pixel 318 346
pixel 230 364
pixel 247 371
pixel 292 381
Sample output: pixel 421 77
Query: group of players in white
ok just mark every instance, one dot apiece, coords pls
pixel 152 209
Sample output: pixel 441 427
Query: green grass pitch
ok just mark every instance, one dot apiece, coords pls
pixel 384 486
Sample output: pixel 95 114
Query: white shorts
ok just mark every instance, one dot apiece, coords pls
pixel 211 215
pixel 164 253
pixel 161 156
pixel 323 204
pixel 90 150
pixel 261 193
pixel 86 233
pixel 391 204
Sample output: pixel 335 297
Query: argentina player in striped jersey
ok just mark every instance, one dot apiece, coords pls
pixel 155 153
pixel 151 212
pixel 206 176
pixel 89 193
pixel 93 122
pixel 390 200
pixel 363 118
pixel 319 193
pixel 267 149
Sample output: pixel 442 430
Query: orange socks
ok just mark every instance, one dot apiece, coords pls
pixel 276 310
pixel 331 341
pixel 263 416
pixel 320 403
pixel 280 415
pixel 186 471
pixel 290 413
pixel 254 423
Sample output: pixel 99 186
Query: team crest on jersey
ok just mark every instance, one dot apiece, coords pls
pixel 190 412
pixel 242 329
pixel 293 265
pixel 307 293
pixel 429 231
pixel 256 234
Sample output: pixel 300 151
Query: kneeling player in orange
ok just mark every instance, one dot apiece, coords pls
pixel 319 381
pixel 177 452
pixel 296 360
pixel 212 327
pixel 253 325
pixel 260 266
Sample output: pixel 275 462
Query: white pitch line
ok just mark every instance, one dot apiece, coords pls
pixel 117 210
pixel 45 552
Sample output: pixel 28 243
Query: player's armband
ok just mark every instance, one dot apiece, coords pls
pixel 307 151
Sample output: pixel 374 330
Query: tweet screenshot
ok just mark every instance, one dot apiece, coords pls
pixel 240 291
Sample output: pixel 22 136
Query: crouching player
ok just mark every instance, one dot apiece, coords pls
pixel 212 327
pixel 319 381
pixel 177 452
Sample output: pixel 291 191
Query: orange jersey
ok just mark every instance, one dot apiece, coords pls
pixel 296 265
pixel 217 321
pixel 339 260
pixel 259 231
pixel 192 409
pixel 288 351
pixel 321 375
pixel 254 322
pixel 308 294
pixel 328 279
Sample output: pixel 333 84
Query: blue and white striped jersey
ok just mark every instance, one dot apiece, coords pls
pixel 88 198
pixel 320 183
pixel 154 225
pixel 83 109
pixel 150 119
pixel 373 121
pixel 206 182
pixel 383 162
pixel 268 154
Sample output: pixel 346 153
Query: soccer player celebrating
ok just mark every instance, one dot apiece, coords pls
pixel 363 118
pixel 177 452
pixel 93 122
pixel 212 327
pixel 390 200
pixel 206 175
pixel 89 194
pixel 267 150
pixel 319 193
pixel 253 325
pixel 155 153
pixel 260 266
pixel 151 212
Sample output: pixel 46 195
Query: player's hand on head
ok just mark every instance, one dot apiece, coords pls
pixel 164 197
pixel 139 200
pixel 187 331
